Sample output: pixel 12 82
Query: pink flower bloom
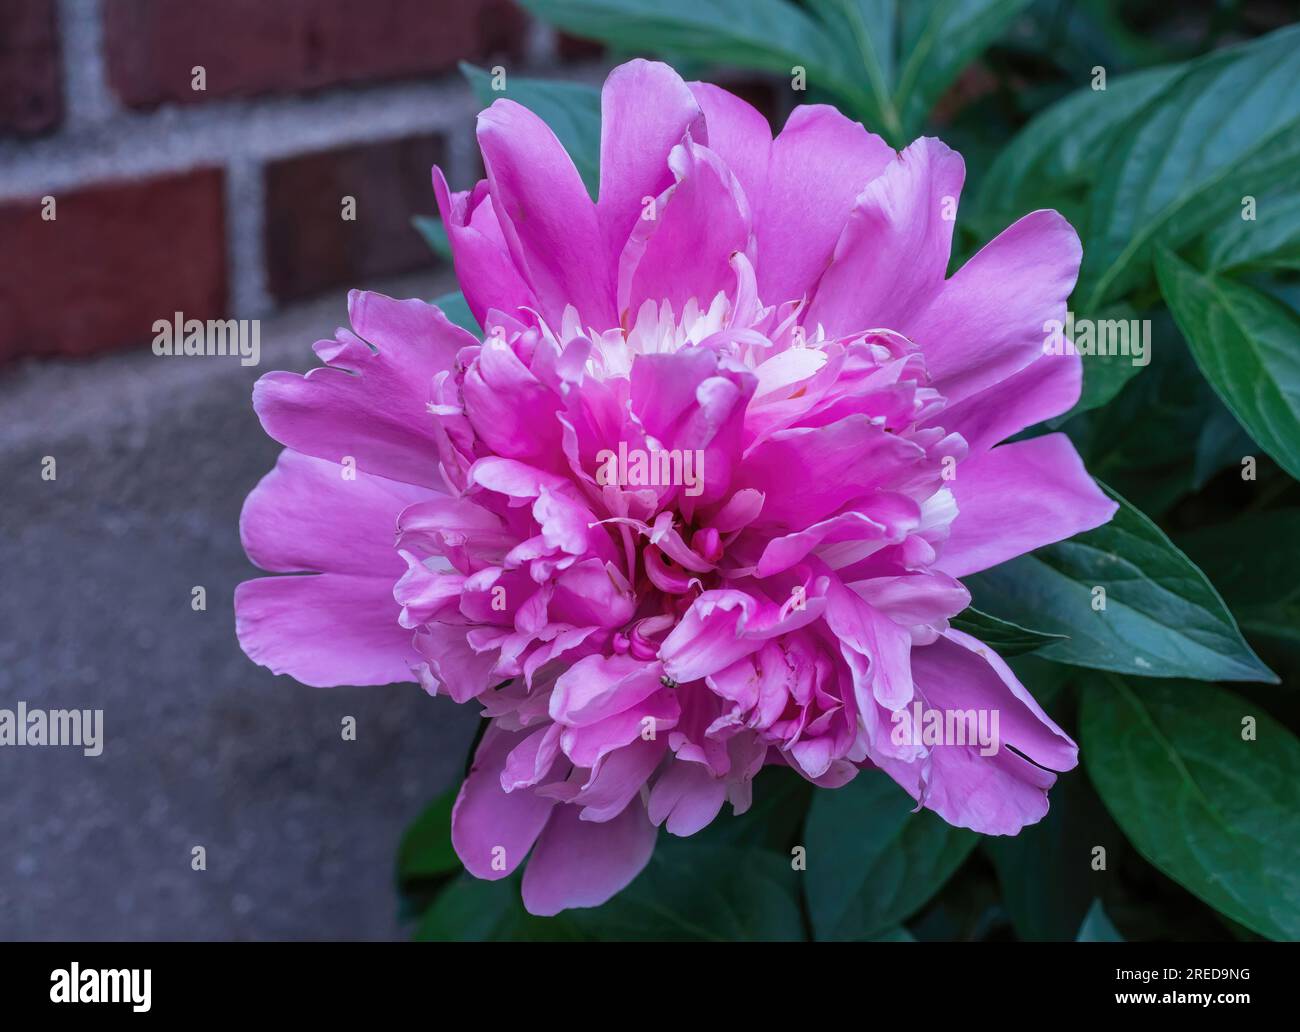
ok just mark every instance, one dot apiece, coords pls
pixel 701 498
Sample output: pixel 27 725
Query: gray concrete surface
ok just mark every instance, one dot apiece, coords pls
pixel 155 456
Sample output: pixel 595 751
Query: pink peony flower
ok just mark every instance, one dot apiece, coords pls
pixel 700 499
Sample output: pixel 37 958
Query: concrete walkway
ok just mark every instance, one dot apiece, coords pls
pixel 201 747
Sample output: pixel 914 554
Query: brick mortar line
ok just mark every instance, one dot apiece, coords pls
pixel 174 139
pixel 87 97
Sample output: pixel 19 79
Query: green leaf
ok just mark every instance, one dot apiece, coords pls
pixel 1056 152
pixel 425 851
pixel 899 934
pixel 1248 347
pixel 912 52
pixel 1046 872
pixel 689 891
pixel 938 39
pixel 1221 443
pixel 770 35
pixel 872 863
pixel 1270 240
pixel 456 309
pixel 1097 927
pixel 1143 442
pixel 1264 594
pixel 472 910
pixel 1216 812
pixel 697 892
pixel 572 110
pixel 870 27
pixel 1104 375
pixel 1230 126
pixel 1162 617
pixel 1003 636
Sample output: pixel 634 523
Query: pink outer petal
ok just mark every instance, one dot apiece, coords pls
pixel 685 251
pixel 304 516
pixel 485 817
pixel 959 672
pixel 547 218
pixel 620 777
pixel 1045 388
pixel 819 164
pixel 997 794
pixel 987 321
pixel 739 135
pixel 325 630
pixel 994 795
pixel 366 404
pixel 892 257
pixel 688 797
pixel 1019 497
pixel 645 111
pixel 484 269
pixel 581 863
pixel 456 668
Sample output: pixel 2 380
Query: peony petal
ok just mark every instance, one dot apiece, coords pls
pixel 685 250
pixel 368 405
pixel 511 411
pixel 884 644
pixel 547 218
pixel 599 687
pixel 530 761
pixel 325 630
pixel 959 672
pixel 492 830
pixel 927 597
pixel 1019 497
pixel 581 863
pixel 619 779
pixel 645 111
pixel 454 666
pixel 724 625
pixel 987 322
pixel 892 257
pixel 739 134
pixel 994 795
pixel 688 797
pixel 304 516
pixel 809 473
pixel 819 164
pixel 1045 388
pixel 486 272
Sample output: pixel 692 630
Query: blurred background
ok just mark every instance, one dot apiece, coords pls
pixel 224 201
pixel 216 202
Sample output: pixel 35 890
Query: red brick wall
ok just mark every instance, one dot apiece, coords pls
pixel 252 47
pixel 125 250
pixel 116 257
pixel 309 246
pixel 31 94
